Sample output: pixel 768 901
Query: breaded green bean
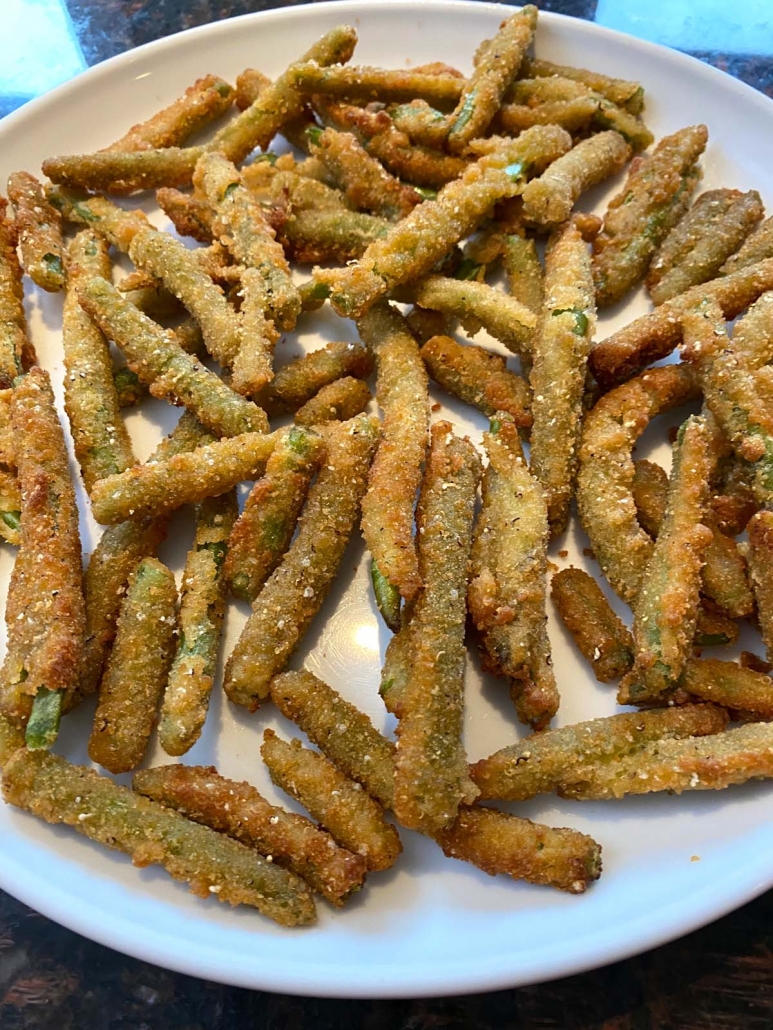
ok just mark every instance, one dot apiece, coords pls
pixel 238 810
pixel 655 335
pixel 561 346
pixel 695 249
pixel 45 611
pixel 654 198
pixel 118 226
pixel 167 259
pixel 16 351
pixel 752 339
pixel 650 488
pixel 210 863
pixel 415 244
pixel 402 394
pixel 755 248
pixel 136 671
pixel 760 530
pixel 242 226
pixel 509 560
pixel 39 226
pixel 666 608
pixel 341 731
pixel 200 622
pixel 121 171
pixel 10 507
pixel 423 125
pixel 336 235
pixel 158 487
pixel 547 101
pixel 102 443
pixel 523 270
pixel 160 362
pixel 483 91
pixel 297 382
pixel 599 634
pixel 191 216
pixel 199 105
pixel 729 685
pixel 709 763
pixel 633 130
pixel 263 531
pixel 629 95
pixel 606 471
pixel 250 84
pixel 431 779
pixel 336 402
pixel 478 377
pixel 348 813
pixel 478 306
pixel 425 324
pixel 548 200
pixel 393 85
pixel 253 365
pixel 11 739
pixel 544 761
pixel 296 589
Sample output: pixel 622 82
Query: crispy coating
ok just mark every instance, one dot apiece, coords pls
pixel 341 731
pixel 666 608
pixel 200 622
pixel 606 471
pixel 629 95
pixel 696 248
pixel 500 843
pixel 10 506
pixel 431 779
pixel 336 402
pixel 549 199
pixel 478 377
pixel 415 244
pixel 478 306
pixel 11 739
pixel 160 362
pixel 191 216
pixel 102 443
pixel 200 104
pixel 334 234
pixel 386 85
pixel 296 589
pixel 136 670
pixel 561 346
pixel 730 685
pixel 122 171
pixel 760 530
pixel 523 270
pixel 755 248
pixel 16 351
pixel 158 487
pixel 610 116
pixel 509 563
pixel 39 226
pixel 546 761
pixel 263 531
pixel 242 226
pixel 752 339
pixel 483 92
pixel 402 394
pixel 45 611
pixel 600 636
pixel 655 196
pixel 208 862
pixel 300 380
pixel 347 812
pixel 708 763
pixel 253 364
pixel 547 101
pixel 250 84
pixel 117 225
pixel 241 812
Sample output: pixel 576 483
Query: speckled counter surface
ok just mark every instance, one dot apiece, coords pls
pixel 720 977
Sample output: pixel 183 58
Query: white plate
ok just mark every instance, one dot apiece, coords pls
pixel 432 925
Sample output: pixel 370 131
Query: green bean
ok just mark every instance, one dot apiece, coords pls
pixel 16 351
pixel 752 339
pixel 330 235
pixel 523 270
pixel 10 507
pixel 191 216
pixel 297 382
pixel 610 116
pixel 755 248
pixel 121 171
pixel 384 85
pixel 729 685
pixel 249 85
pixel 599 634
pixel 629 95
pixel 210 863
pixel 39 226
pixel 11 739
pixel 253 365
pixel 118 226
pixel 336 402
pixel 760 530
pixel 423 125
pixel 549 101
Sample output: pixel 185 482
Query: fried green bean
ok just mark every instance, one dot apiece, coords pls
pixel 547 101
pixel 122 171
pixel 393 85
pixel 561 346
pixel 11 739
pixel 599 634
pixel 191 216
pixel 415 244
pixel 545 761
pixel 478 377
pixel 242 225
pixel 118 226
pixel 402 394
pixel 199 105
pixel 752 339
pixel 755 248
pixel 249 85
pixel 240 811
pixel 629 95
pixel 431 778
pixel 45 611
pixel 16 351
pixel 297 382
pixel 252 366
pixel 423 125
pixel 606 471
pixel 483 92
pixel 200 622
pixel 263 531
pixel 709 763
pixel 523 270
pixel 610 116
pixel 654 198
pixel 10 507
pixel 666 608
pixel 208 862
pixel 760 530
pixel 39 226
pixel 353 819
pixel 296 589
pixel 160 362
pixel 696 248
pixel 336 402
pixel 548 200
pixel 729 685
pixel 336 235
pixel 478 306
pixel 102 443
pixel 509 562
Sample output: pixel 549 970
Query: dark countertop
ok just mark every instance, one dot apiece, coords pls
pixel 719 977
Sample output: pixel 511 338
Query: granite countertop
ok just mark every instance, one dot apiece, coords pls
pixel 719 977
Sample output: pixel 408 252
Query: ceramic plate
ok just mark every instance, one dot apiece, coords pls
pixel 431 925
